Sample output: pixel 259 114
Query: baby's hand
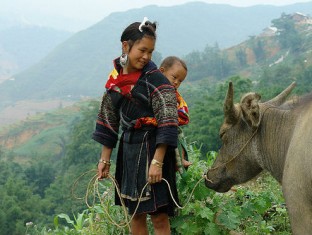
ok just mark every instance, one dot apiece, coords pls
pixel 186 164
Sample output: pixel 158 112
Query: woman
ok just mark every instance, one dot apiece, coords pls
pixel 141 101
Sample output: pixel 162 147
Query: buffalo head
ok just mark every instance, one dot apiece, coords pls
pixel 236 162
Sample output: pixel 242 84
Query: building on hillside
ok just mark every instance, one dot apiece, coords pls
pixel 301 18
pixel 269 32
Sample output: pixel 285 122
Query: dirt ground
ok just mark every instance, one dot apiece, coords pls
pixel 23 109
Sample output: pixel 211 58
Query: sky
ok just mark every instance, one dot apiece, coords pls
pixel 80 14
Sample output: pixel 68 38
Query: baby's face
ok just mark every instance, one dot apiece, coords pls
pixel 175 74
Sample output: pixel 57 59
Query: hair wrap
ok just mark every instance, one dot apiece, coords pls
pixel 144 22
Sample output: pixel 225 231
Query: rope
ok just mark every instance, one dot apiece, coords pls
pixel 241 150
pixel 94 184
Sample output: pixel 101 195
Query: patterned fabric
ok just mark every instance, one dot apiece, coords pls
pixel 107 123
pixel 183 115
pixel 164 112
pixel 149 121
pixel 183 111
pixel 181 153
pixel 181 150
pixel 152 96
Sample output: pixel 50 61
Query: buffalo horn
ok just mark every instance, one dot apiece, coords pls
pixel 229 109
pixel 281 98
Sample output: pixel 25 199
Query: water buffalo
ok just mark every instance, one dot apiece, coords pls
pixel 275 136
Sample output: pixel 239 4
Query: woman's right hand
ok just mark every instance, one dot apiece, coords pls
pixel 103 169
pixel 104 165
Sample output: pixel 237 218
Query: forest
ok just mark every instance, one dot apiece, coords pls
pixel 47 185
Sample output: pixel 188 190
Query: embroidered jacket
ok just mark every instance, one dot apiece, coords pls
pixel 152 96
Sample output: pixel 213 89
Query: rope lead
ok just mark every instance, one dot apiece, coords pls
pixel 94 183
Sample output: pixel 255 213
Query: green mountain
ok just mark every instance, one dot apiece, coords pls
pixel 24 45
pixel 45 156
pixel 79 66
pixel 267 63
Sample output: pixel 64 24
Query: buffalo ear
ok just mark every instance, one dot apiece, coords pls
pixel 250 108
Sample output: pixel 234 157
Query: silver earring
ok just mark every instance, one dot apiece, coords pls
pixel 123 59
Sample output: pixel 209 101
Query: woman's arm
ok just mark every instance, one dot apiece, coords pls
pixel 155 171
pixel 107 123
pixel 106 133
pixel 164 104
pixel 104 162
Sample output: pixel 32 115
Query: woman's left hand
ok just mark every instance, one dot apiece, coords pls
pixel 154 174
pixel 155 171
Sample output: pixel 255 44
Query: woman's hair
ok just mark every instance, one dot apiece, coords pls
pixel 136 31
pixel 169 61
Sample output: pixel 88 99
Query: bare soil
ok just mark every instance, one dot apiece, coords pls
pixel 23 109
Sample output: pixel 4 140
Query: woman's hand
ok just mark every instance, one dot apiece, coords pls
pixel 154 174
pixel 155 171
pixel 104 163
pixel 103 169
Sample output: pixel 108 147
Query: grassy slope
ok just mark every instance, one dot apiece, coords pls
pixel 40 135
pixel 46 133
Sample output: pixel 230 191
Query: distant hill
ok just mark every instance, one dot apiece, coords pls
pixel 79 66
pixel 24 45
pixel 268 62
pixel 280 54
pixel 6 22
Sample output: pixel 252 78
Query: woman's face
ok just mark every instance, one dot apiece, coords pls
pixel 140 53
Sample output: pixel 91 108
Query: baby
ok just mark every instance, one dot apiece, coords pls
pixel 175 70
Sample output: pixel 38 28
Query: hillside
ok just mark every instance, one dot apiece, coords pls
pixel 277 64
pixel 78 67
pixel 44 157
pixel 41 134
pixel 287 40
pixel 22 46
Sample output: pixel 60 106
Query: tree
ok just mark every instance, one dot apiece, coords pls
pixel 304 79
pixel 82 154
pixel 82 148
pixel 19 204
pixel 241 57
pixel 212 62
pixel 206 115
pixel 258 49
pixel 40 175
pixel 288 36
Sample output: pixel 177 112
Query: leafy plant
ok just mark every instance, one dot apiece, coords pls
pixel 254 208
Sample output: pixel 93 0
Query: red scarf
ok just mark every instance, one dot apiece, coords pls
pixel 122 83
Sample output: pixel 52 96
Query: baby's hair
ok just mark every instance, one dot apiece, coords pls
pixel 134 32
pixel 169 61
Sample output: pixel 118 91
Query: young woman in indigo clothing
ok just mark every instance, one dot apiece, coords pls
pixel 141 101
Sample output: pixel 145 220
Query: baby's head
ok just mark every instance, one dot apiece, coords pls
pixel 174 69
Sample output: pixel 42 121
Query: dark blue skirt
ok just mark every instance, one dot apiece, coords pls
pixel 135 153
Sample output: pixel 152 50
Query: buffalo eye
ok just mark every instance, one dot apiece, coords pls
pixel 221 134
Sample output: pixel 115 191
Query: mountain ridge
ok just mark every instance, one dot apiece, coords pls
pixel 275 66
pixel 22 46
pixel 78 67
